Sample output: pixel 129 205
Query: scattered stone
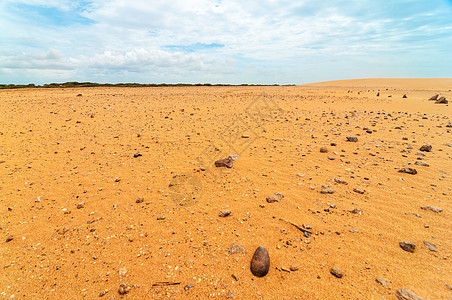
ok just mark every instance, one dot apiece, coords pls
pixel 225 162
pixel 233 156
pixel 421 163
pixel 352 139
pixel 140 200
pixel 326 189
pixel 79 95
pixel 9 238
pixel 276 197
pixel 103 293
pixel 245 136
pixel 80 205
pixel 224 213
pixel 407 246
pixel 236 248
pixel 404 96
pixel 435 97
pixel 331 158
pixel 432 208
pixel 382 281
pixel 38 199
pixel 430 246
pixel 124 288
pixel 323 149
pixel 426 148
pixel 404 294
pixel 188 286
pixel 260 263
pixel 137 155
pixel 336 272
pixel 359 191
pixel 411 171
pixel 160 218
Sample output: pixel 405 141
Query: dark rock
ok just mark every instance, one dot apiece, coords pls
pixel 404 294
pixel 407 246
pixel 293 268
pixel 421 163
pixel 103 293
pixel 411 171
pixel 323 149
pixel 331 158
pixel 161 218
pixel 79 95
pixel 124 288
pixel 140 200
pixel 430 246
pixel 326 189
pixel 137 155
pixel 432 208
pixel 340 181
pixel 378 94
pixel 236 248
pixel 188 286
pixel 336 272
pixel 442 100
pixel 382 281
pixel 352 139
pixel 435 97
pixel 276 197
pixel 260 263
pixel 359 191
pixel 225 162
pixel 404 96
pixel 426 148
pixel 9 238
pixel 224 213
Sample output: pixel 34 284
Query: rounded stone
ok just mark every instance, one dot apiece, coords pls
pixel 260 263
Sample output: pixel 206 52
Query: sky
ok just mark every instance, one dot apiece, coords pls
pixel 223 41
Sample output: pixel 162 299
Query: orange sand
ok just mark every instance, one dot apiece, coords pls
pixel 67 150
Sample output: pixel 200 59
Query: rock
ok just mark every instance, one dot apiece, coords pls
pixel 9 238
pixel 79 95
pixel 411 171
pixel 103 293
pixel 188 286
pixel 293 268
pixel 359 191
pixel 80 205
pixel 449 125
pixel 236 248
pixel 435 97
pixel 139 200
pixel 421 163
pixel 122 272
pixel 340 181
pixel 245 136
pixel 331 158
pixel 260 263
pixel 233 156
pixel 442 100
pixel 38 199
pixel 432 208
pixel 407 246
pixel 161 218
pixel 404 96
pixel 323 149
pixel 326 189
pixel 352 139
pixel 276 197
pixel 124 288
pixel 224 213
pixel 230 294
pixel 430 246
pixel 336 272
pixel 426 148
pixel 225 162
pixel 382 281
pixel 404 294
pixel 137 155
pixel 378 94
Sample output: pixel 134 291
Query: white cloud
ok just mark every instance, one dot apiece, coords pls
pixel 267 39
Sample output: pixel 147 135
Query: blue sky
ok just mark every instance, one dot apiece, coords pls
pixel 223 41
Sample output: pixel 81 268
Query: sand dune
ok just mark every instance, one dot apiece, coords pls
pixel 118 186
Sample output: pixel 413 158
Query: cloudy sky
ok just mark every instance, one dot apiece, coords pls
pixel 223 41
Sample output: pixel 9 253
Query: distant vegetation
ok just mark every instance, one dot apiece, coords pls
pixel 75 84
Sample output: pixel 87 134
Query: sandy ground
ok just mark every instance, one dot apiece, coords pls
pixel 60 151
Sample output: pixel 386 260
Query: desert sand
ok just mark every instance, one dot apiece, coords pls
pixel 107 186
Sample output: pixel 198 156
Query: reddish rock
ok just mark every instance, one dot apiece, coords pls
pixel 260 263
